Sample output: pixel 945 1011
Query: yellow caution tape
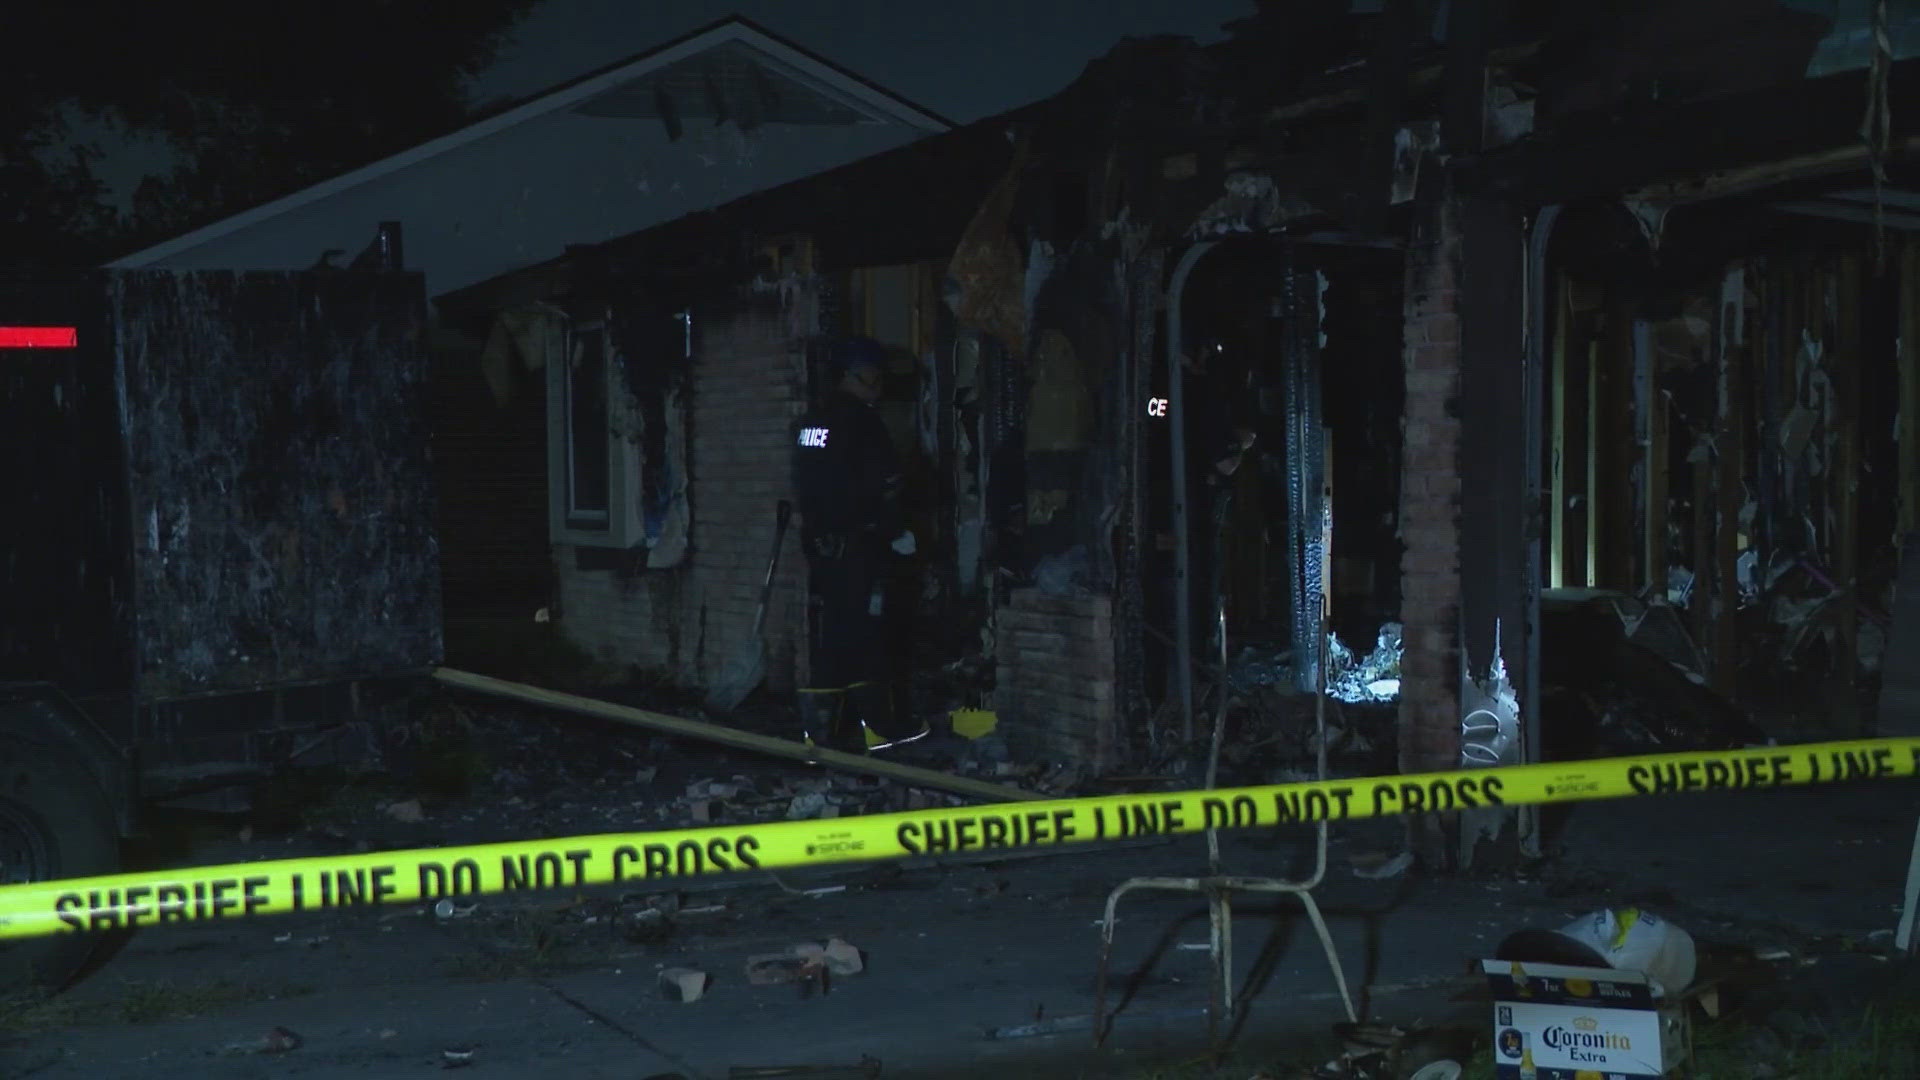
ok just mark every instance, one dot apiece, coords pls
pixel 269 887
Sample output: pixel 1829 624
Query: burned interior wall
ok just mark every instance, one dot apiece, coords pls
pixel 282 504
pixel 1364 394
pixel 1758 356
pixel 1496 511
pixel 1055 648
pixel 489 424
pixel 1075 387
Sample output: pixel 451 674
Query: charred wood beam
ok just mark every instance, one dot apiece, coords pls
pixel 1863 215
pixel 1313 187
pixel 1730 492
pixel 1463 119
pixel 1845 294
pixel 1493 449
pixel 1369 200
pixel 1793 120
pixel 1422 78
pixel 1909 406
pixel 721 735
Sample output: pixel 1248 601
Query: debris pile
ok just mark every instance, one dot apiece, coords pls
pixel 1389 1052
pixel 1374 678
pixel 1617 678
pixel 809 964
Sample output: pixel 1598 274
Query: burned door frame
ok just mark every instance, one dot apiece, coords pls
pixel 1308 509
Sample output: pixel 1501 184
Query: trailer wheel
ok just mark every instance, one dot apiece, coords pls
pixel 55 822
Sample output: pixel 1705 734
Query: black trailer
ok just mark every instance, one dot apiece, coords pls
pixel 216 540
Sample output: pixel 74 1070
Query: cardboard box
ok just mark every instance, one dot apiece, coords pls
pixel 1577 1023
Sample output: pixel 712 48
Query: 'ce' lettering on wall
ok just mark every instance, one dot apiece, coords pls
pixel 815 437
pixel 1157 406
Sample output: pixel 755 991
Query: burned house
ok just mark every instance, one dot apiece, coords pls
pixel 1459 316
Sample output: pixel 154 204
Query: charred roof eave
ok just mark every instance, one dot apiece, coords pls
pixel 1694 147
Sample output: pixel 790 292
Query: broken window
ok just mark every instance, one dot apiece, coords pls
pixel 585 441
pixel 617 442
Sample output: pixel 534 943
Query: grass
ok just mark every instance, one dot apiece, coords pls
pixel 1883 1045
pixel 1198 1069
pixel 37 1012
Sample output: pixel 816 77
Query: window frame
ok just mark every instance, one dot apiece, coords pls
pixel 620 526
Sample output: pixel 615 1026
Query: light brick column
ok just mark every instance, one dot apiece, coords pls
pixel 1429 510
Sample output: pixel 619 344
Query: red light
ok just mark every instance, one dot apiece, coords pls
pixel 38 337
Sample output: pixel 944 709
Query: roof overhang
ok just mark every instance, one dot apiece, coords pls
pixel 732 70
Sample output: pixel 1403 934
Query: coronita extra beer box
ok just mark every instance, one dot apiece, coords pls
pixel 1554 1022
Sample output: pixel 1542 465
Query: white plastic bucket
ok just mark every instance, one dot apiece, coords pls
pixel 1633 940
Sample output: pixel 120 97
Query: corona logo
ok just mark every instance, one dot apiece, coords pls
pixel 1559 1038
pixel 1586 1023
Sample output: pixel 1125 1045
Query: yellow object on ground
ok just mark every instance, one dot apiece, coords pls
pixel 973 723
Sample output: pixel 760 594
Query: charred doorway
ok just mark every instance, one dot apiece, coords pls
pixel 1291 392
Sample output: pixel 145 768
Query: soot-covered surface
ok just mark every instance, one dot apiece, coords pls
pixel 282 503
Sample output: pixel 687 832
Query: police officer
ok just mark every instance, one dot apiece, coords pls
pixel 846 479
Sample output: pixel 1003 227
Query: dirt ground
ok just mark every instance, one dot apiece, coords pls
pixel 959 956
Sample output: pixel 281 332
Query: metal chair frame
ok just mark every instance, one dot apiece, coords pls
pixel 1219 888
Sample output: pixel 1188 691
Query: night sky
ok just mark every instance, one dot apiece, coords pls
pixel 963 61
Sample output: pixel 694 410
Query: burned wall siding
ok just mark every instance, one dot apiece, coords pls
pixel 65 561
pixel 987 282
pixel 653 341
pixel 282 501
pixel 746 385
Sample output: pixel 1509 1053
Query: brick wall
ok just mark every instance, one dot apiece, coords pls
pixel 1430 497
pixel 686 622
pixel 1055 677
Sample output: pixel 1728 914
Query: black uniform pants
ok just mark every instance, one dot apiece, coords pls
pixel 845 637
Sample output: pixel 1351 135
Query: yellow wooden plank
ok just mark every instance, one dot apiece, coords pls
pixel 910 775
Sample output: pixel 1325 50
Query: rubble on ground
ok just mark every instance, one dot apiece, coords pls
pixel 473 774
pixel 1372 678
pixel 683 985
pixel 1617 678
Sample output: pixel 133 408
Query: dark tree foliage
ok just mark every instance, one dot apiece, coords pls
pixel 259 99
